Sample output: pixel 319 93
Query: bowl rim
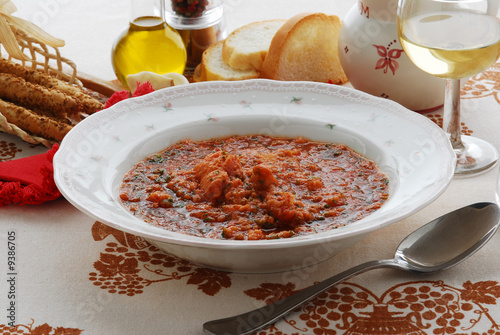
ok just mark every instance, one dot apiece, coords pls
pixel 363 226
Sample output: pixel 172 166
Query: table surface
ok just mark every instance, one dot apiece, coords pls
pixel 63 256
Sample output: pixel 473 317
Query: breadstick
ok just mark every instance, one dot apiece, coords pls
pixel 38 125
pixel 88 104
pixel 30 95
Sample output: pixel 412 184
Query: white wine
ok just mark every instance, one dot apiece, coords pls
pixel 149 44
pixel 451 44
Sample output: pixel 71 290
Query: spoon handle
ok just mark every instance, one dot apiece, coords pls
pixel 249 322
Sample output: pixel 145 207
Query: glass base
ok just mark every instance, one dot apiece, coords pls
pixel 478 156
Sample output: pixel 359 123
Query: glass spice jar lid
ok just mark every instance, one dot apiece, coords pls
pixel 193 14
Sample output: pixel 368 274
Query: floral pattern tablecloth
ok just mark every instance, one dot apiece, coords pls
pixel 63 273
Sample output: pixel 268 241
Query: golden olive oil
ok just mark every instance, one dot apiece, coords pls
pixel 149 44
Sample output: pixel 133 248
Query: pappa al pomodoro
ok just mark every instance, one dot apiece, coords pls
pixel 254 187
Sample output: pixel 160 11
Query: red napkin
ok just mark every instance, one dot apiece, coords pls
pixel 30 181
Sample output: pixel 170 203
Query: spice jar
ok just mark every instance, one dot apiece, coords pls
pixel 148 44
pixel 193 14
pixel 189 8
pixel 200 22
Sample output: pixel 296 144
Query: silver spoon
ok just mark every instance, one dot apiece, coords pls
pixel 438 245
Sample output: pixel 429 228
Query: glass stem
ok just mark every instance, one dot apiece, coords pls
pixel 451 117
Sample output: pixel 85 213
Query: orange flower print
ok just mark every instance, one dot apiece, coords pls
pixel 130 264
pixel 389 56
pixel 111 265
pixel 8 151
pixel 484 292
pixel 271 292
pixel 417 308
pixel 484 84
pixel 31 329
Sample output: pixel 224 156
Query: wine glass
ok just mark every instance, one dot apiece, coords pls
pixel 454 39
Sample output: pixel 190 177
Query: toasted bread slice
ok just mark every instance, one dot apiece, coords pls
pixel 247 47
pixel 197 76
pixel 306 48
pixel 212 67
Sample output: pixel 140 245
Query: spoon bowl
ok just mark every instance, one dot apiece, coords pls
pixel 449 239
pixel 436 246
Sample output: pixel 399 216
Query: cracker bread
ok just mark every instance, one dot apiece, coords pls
pixel 305 48
pixel 213 67
pixel 247 47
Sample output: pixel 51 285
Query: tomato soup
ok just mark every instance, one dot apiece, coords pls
pixel 254 187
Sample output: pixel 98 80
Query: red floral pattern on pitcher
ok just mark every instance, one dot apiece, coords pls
pixel 365 10
pixel 389 56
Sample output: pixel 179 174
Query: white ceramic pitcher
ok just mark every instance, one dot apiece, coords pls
pixel 374 61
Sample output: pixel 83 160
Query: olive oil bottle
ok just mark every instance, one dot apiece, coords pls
pixel 148 44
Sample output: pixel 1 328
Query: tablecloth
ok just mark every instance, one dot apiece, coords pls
pixel 62 272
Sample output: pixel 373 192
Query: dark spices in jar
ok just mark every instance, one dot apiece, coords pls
pixel 189 8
